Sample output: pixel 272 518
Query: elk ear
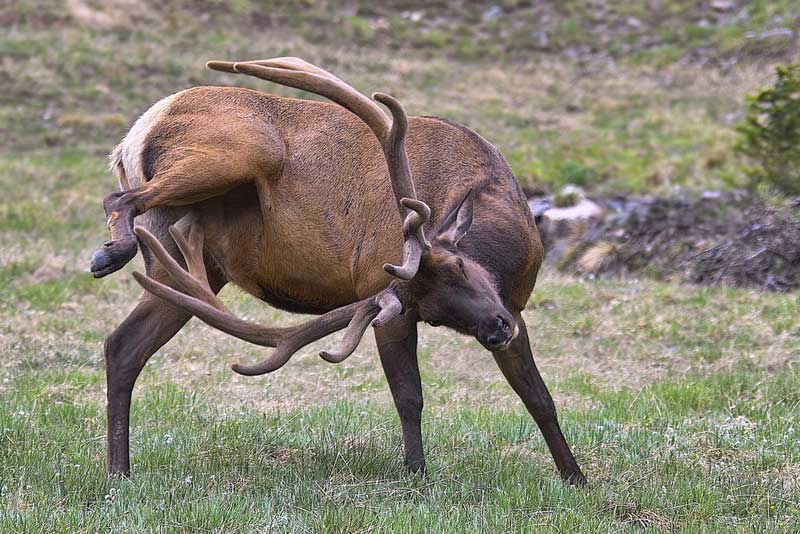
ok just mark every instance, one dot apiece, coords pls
pixel 457 222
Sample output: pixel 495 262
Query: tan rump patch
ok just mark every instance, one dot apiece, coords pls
pixel 130 148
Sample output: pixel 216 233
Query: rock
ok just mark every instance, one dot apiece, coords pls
pixel 743 15
pixel 538 206
pixel 492 13
pixel 561 226
pixel 568 196
pixel 777 33
pixel 633 22
pixel 413 16
pixel 722 6
pixel 584 210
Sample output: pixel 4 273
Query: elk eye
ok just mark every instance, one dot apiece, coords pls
pixel 434 323
pixel 461 267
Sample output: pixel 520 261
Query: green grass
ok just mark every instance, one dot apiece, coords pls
pixel 681 404
pixel 697 454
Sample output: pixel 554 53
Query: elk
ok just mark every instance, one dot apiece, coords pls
pixel 300 203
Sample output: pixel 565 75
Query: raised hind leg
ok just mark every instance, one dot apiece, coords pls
pixel 188 160
pixel 149 326
pixel 121 208
pixel 172 189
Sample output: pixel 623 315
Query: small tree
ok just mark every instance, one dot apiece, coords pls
pixel 770 133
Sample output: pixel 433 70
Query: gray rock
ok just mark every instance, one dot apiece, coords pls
pixel 722 6
pixel 777 33
pixel 539 205
pixel 559 227
pixel 492 13
pixel 633 22
pixel 585 209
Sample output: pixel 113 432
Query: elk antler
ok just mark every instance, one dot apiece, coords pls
pixel 198 298
pixel 300 74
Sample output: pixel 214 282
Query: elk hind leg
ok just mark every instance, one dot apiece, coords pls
pixel 202 166
pixel 173 188
pixel 149 326
pixel 121 209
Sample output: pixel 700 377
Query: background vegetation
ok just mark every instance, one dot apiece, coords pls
pixel 771 132
pixel 681 403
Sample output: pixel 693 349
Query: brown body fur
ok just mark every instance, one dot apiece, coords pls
pixel 324 168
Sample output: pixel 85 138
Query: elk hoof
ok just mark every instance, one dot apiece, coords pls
pixel 113 256
pixel 576 479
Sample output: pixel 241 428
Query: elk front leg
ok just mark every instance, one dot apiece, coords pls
pixel 516 363
pixel 397 345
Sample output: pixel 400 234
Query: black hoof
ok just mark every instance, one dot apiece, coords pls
pixel 416 468
pixel 577 480
pixel 112 257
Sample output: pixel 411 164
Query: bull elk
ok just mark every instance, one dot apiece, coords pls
pixel 294 202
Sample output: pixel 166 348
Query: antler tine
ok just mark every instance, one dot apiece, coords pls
pixel 198 297
pixel 415 211
pixel 192 250
pixel 198 288
pixel 352 335
pixel 394 149
pixel 375 311
pixel 298 337
pixel 221 320
pixel 199 300
pixel 390 308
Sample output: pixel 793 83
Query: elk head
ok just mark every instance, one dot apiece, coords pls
pixel 450 289
pixel 445 286
pixel 436 279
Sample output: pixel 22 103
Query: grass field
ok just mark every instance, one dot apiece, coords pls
pixel 683 420
pixel 682 403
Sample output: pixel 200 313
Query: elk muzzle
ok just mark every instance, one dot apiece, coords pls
pixel 496 332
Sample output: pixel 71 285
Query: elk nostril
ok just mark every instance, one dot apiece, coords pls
pixel 504 326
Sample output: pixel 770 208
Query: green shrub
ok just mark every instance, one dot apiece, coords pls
pixel 770 133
